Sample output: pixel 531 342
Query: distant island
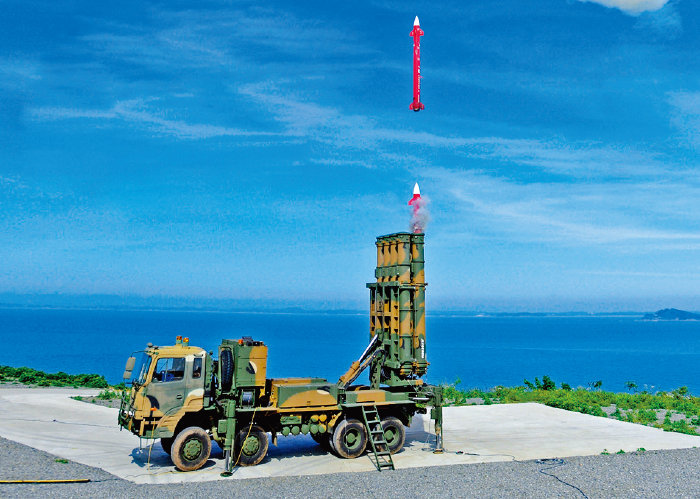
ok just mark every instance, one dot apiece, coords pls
pixel 672 314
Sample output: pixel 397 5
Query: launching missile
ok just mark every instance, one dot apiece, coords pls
pixel 420 214
pixel 416 33
pixel 416 195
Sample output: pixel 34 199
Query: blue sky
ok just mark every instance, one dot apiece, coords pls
pixel 252 152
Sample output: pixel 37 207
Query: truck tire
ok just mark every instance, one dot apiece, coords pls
pixel 324 440
pixel 394 433
pixel 191 449
pixel 226 370
pixel 166 444
pixel 251 445
pixel 349 439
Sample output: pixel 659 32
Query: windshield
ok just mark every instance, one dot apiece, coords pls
pixel 141 368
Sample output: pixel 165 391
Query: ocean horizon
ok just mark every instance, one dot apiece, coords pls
pixel 480 350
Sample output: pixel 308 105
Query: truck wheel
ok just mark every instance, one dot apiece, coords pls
pixel 251 447
pixel 394 433
pixel 324 440
pixel 349 439
pixel 226 370
pixel 166 444
pixel 191 449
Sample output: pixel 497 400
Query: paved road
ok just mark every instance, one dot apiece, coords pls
pixel 671 473
pixel 48 419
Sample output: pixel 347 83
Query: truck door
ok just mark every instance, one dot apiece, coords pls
pixel 166 392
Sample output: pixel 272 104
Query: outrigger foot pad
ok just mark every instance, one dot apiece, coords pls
pixel 227 464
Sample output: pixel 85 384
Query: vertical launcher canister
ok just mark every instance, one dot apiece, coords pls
pixel 397 310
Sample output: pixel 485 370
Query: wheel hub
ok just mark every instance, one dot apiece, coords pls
pixel 192 449
pixel 351 439
pixel 251 446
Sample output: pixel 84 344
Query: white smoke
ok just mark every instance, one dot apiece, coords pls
pixel 632 6
pixel 420 216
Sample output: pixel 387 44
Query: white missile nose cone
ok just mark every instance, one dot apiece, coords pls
pixel 416 189
pixel 416 22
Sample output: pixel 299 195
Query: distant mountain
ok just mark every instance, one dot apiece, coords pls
pixel 672 314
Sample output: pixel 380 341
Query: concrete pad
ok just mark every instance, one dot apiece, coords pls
pixel 48 419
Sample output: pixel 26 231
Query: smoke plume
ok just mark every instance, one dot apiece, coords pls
pixel 420 216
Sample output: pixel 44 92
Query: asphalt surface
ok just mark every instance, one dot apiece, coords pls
pixel 671 473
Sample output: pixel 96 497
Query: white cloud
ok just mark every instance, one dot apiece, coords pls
pixel 632 6
pixel 22 193
pixel 222 39
pixel 135 111
pixel 17 73
pixel 619 195
pixel 19 68
pixel 686 115
pixel 314 122
pixel 582 213
pixel 666 23
pixel 341 162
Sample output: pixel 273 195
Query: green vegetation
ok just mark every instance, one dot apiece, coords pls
pixel 675 411
pixel 29 376
pixel 109 394
pixel 61 460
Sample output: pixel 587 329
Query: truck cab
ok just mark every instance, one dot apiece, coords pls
pixel 167 384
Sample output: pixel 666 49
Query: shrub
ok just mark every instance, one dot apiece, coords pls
pixel 547 383
pixel 29 376
pixel 108 394
pixel 638 407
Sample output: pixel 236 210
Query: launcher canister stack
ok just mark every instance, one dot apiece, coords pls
pixel 397 310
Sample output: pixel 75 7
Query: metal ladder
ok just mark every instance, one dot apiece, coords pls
pixel 375 433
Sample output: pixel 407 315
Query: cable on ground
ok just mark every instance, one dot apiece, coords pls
pixel 552 463
pixel 55 421
pixel 65 480
pixel 549 464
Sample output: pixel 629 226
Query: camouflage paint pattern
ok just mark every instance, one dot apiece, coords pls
pixel 303 395
pixel 155 408
pixel 397 309
pixel 250 362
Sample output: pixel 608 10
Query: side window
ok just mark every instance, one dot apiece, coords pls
pixel 169 369
pixel 197 368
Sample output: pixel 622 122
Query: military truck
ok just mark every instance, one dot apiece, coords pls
pixel 186 397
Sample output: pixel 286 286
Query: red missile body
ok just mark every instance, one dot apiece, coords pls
pixel 416 33
pixel 419 217
pixel 415 200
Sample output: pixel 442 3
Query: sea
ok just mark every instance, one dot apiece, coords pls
pixel 473 352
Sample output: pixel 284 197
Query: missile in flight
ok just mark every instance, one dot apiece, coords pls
pixel 416 33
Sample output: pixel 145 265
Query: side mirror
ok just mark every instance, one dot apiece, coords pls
pixel 130 363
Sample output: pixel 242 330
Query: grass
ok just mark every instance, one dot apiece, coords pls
pixel 109 394
pixel 29 376
pixel 641 408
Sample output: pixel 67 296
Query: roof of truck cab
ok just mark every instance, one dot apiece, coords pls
pixel 176 350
